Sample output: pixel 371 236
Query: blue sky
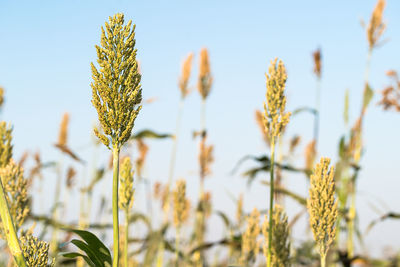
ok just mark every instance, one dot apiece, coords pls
pixel 46 48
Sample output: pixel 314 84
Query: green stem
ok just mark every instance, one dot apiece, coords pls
pixel 115 205
pixel 126 232
pixel 9 230
pixel 271 202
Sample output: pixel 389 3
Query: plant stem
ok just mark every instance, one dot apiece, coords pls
pixel 9 230
pixel 126 232
pixel 271 202
pixel 115 205
pixel 317 115
pixel 177 239
pixel 53 242
pixel 323 260
pixel 175 144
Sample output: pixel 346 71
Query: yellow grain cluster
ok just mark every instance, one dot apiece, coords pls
pixel 36 252
pixel 181 203
pixel 317 63
pixel 205 158
pixel 280 238
pixel 16 191
pixel 1 97
pixel 126 191
pixel 376 27
pixel 322 205
pixel 275 118
pixel 116 88
pixel 250 244
pixel 264 131
pixel 239 210
pixel 205 77
pixel 143 150
pixel 5 144
pixel 391 94
pixel 185 75
pixel 63 133
pixel 309 154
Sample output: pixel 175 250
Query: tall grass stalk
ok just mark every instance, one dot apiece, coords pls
pixel 115 205
pixel 374 30
pixel 126 237
pixel 275 120
pixel 116 95
pixel 271 202
pixel 9 230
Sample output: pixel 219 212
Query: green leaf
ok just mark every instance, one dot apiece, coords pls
pixel 73 255
pixel 305 109
pixel 224 217
pixel 96 251
pixel 90 252
pixel 150 134
pixel 301 200
pixel 368 94
pixel 342 148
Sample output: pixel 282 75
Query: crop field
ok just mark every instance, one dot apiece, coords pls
pixel 200 134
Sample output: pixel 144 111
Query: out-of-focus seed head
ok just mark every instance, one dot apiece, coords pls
pixel 126 190
pixel 181 204
pixel 376 27
pixel 184 79
pixel 205 78
pixel 322 205
pixel 275 118
pixel 280 238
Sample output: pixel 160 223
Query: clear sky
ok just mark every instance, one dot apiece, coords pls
pixel 46 48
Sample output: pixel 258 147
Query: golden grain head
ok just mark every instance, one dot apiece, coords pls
pixel 264 131
pixel 322 205
pixel 16 190
pixel 355 144
pixel 143 150
pixel 280 238
pixel 63 133
pixel 206 204
pixel 126 190
pixel 239 210
pixel 181 203
pixel 206 158
pixel 71 174
pixel 1 96
pixel 205 78
pixel 250 244
pixel 309 154
pixel 317 56
pixel 184 79
pixel 391 94
pixel 376 27
pixel 5 144
pixel 116 88
pixel 36 252
pixel 275 118
pixel 294 142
